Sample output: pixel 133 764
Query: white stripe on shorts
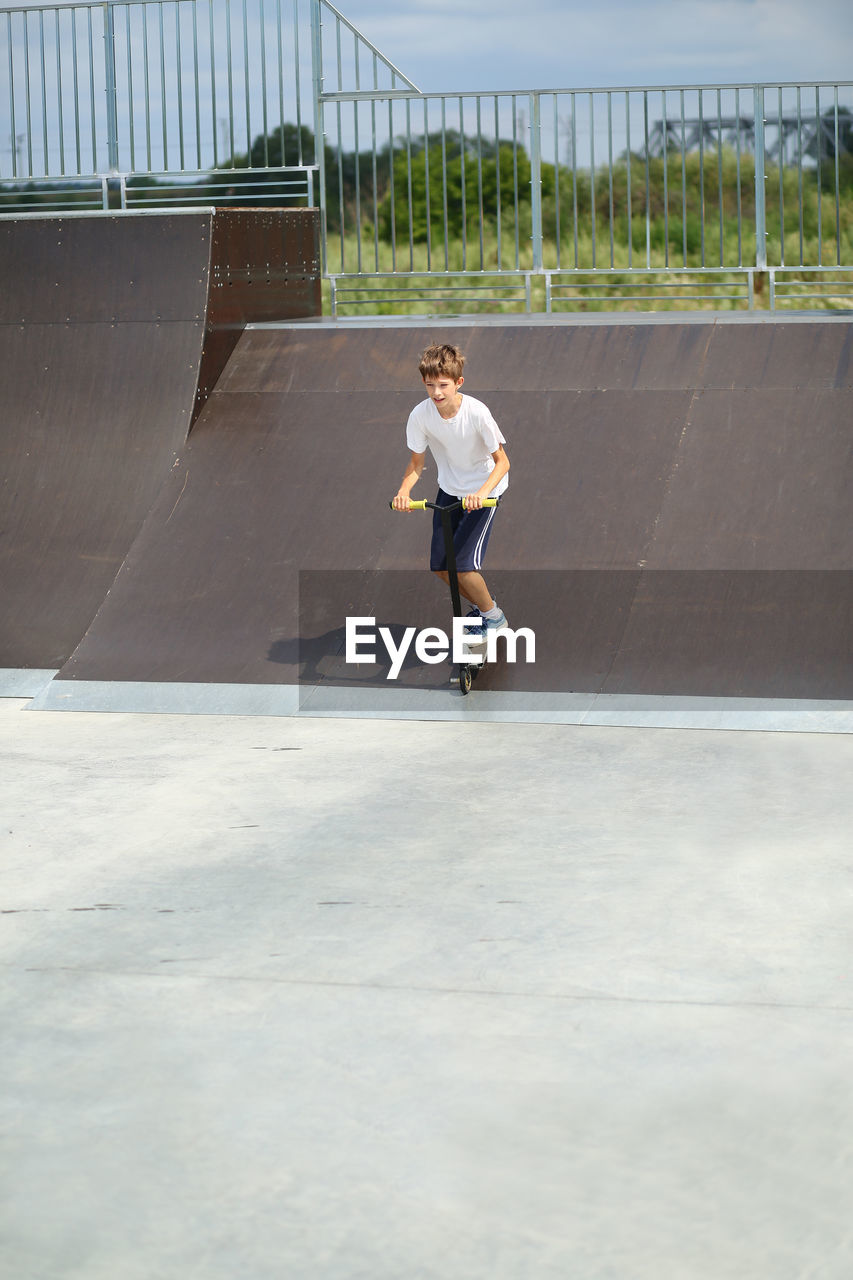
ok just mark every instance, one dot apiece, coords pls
pixel 478 550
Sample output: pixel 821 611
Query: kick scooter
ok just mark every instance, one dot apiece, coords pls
pixel 468 671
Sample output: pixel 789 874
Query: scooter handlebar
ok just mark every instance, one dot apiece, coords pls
pixel 422 504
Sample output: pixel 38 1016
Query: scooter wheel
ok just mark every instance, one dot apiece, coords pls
pixel 465 679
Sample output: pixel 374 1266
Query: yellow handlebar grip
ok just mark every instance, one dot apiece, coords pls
pixel 413 506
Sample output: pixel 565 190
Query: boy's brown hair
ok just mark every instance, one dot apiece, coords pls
pixel 442 361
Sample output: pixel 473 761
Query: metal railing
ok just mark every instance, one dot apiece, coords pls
pixel 185 93
pixel 670 196
pixel 712 187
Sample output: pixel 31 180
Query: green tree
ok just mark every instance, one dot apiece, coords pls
pixel 459 177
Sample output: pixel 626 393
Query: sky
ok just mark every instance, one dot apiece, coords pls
pixel 485 45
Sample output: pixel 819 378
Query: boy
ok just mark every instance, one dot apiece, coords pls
pixel 469 454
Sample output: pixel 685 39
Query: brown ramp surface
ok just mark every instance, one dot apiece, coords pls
pixel 108 325
pixel 101 327
pixel 676 521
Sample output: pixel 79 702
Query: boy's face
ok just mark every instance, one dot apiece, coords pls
pixel 442 390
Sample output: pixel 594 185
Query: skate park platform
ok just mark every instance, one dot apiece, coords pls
pixel 313 977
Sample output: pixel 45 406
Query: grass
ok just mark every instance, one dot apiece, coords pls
pixel 667 283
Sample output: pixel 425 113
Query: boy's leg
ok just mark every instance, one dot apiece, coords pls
pixel 470 541
pixel 471 533
pixel 472 586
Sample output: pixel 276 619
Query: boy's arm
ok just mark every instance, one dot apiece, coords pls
pixel 412 475
pixel 475 500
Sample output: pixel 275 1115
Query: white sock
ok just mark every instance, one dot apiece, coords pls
pixel 493 613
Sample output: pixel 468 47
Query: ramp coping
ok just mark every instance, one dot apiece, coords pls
pixel 160 210
pixel 541 320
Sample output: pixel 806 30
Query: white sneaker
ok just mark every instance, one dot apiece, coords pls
pixel 477 635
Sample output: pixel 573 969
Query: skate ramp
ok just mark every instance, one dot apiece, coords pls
pixel 101 329
pixel 113 331
pixel 676 523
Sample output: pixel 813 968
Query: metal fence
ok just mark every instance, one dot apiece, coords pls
pixel 551 199
pixel 662 196
pixel 140 86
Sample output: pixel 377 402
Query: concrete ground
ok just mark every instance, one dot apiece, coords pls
pixel 294 998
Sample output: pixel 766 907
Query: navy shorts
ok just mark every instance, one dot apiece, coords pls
pixel 471 532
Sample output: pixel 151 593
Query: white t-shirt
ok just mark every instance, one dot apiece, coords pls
pixel 462 445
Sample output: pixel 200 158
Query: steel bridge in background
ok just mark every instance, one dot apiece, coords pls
pixel 672 196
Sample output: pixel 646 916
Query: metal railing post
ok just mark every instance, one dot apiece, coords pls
pixel 110 78
pixel 319 120
pixel 536 180
pixel 760 204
